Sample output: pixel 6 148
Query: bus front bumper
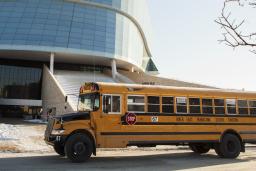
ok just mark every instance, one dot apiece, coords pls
pixel 53 139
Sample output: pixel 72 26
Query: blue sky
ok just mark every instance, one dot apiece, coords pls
pixel 186 47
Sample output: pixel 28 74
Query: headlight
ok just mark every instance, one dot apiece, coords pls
pixel 57 131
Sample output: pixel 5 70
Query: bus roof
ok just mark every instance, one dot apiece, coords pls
pixel 158 89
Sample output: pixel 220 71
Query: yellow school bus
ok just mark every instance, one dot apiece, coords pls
pixel 119 115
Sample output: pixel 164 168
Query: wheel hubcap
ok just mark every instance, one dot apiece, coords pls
pixel 79 148
pixel 231 146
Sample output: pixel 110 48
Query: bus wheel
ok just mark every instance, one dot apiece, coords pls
pixel 199 148
pixel 78 148
pixel 59 149
pixel 230 146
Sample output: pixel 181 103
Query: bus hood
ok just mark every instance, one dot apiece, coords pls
pixel 73 116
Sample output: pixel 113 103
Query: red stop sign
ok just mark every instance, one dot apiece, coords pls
pixel 130 118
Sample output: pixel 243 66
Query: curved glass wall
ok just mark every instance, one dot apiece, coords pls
pixel 62 24
pixel 56 23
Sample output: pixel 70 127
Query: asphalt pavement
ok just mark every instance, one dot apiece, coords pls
pixel 148 160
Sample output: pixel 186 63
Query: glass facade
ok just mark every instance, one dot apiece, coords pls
pixel 60 24
pixel 57 23
pixel 20 81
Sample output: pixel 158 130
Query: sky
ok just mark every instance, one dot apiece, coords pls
pixel 186 47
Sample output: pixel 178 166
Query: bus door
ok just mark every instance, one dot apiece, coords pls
pixel 111 112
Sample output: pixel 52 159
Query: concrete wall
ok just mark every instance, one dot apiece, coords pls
pixel 143 78
pixel 52 95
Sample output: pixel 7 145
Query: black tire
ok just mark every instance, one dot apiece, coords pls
pixel 59 149
pixel 200 148
pixel 230 146
pixel 79 147
pixel 217 150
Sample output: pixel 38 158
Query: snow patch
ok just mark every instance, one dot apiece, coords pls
pixel 22 138
pixel 8 132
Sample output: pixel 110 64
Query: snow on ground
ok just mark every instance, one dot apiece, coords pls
pixel 7 132
pixel 22 138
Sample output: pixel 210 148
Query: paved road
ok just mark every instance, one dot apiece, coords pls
pixel 155 160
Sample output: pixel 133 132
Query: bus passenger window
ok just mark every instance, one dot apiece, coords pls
pixel 252 105
pixel 219 106
pixel 153 104
pixel 207 106
pixel 136 103
pixel 112 104
pixel 181 104
pixel 194 105
pixel 242 107
pixel 167 105
pixel 231 106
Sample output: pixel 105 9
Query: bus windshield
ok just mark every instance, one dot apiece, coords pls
pixel 88 102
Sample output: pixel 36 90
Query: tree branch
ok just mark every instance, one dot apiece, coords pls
pixel 232 35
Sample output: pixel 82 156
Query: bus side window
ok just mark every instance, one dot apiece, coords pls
pixel 153 104
pixel 181 104
pixel 219 106
pixel 167 105
pixel 136 103
pixel 242 107
pixel 112 104
pixel 252 104
pixel 231 106
pixel 207 106
pixel 194 105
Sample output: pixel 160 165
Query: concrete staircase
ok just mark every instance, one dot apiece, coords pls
pixel 71 81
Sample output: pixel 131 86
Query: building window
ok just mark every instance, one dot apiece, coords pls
pixel 242 107
pixel 231 106
pixel 207 106
pixel 194 105
pixel 153 104
pixel 136 103
pixel 112 104
pixel 219 106
pixel 20 79
pixel 181 104
pixel 167 105
pixel 252 105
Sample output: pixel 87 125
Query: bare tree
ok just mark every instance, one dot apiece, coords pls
pixel 233 33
